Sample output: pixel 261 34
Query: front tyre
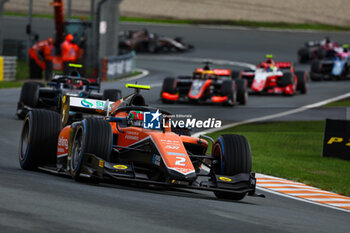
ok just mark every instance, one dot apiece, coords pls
pixel 234 155
pixel 242 91
pixel 228 89
pixel 302 81
pixel 93 136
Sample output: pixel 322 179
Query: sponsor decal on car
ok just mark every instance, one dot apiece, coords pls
pixel 120 167
pixel 156 159
pixel 225 179
pixel 88 103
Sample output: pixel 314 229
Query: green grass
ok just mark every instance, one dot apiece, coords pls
pixel 22 70
pixel 340 103
pixel 10 84
pixel 293 150
pixel 243 23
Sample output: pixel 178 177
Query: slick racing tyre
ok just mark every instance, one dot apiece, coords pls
pixel 242 91
pixel 93 136
pixel 228 89
pixel 315 69
pixel 112 94
pixel 303 55
pixel 169 86
pixel 235 74
pixel 39 138
pixel 302 81
pixel 234 155
pixel 30 94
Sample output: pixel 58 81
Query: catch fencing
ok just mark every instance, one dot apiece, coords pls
pixel 8 66
pixel 115 67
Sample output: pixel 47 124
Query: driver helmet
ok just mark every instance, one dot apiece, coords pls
pixel 269 59
pixel 207 74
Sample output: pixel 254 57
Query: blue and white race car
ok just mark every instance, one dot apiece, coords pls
pixel 336 67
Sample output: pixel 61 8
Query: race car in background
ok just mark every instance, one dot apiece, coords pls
pixel 205 86
pixel 145 41
pixel 317 50
pixel 272 77
pixel 37 95
pixel 335 67
pixel 132 142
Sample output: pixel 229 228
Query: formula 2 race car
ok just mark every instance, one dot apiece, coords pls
pixel 36 95
pixel 317 50
pixel 272 77
pixel 145 41
pixel 205 86
pixel 133 142
pixel 336 67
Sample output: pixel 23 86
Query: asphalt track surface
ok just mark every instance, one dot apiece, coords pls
pixel 40 202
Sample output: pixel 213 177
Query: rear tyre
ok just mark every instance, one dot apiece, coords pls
pixel 315 68
pixel 39 138
pixel 112 94
pixel 303 55
pixel 234 155
pixel 30 94
pixel 29 97
pixel 242 91
pixel 228 89
pixel 302 81
pixel 235 74
pixel 169 85
pixel 93 136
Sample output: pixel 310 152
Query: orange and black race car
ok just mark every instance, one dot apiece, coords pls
pixel 206 86
pixel 133 142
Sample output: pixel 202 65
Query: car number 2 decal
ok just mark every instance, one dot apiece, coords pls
pixel 180 161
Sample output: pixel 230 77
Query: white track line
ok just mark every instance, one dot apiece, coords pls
pixel 197 60
pixel 143 74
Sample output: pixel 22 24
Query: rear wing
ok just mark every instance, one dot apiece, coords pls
pixel 218 72
pixel 284 65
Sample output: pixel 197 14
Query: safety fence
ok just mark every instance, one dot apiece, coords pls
pixel 115 67
pixel 8 68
